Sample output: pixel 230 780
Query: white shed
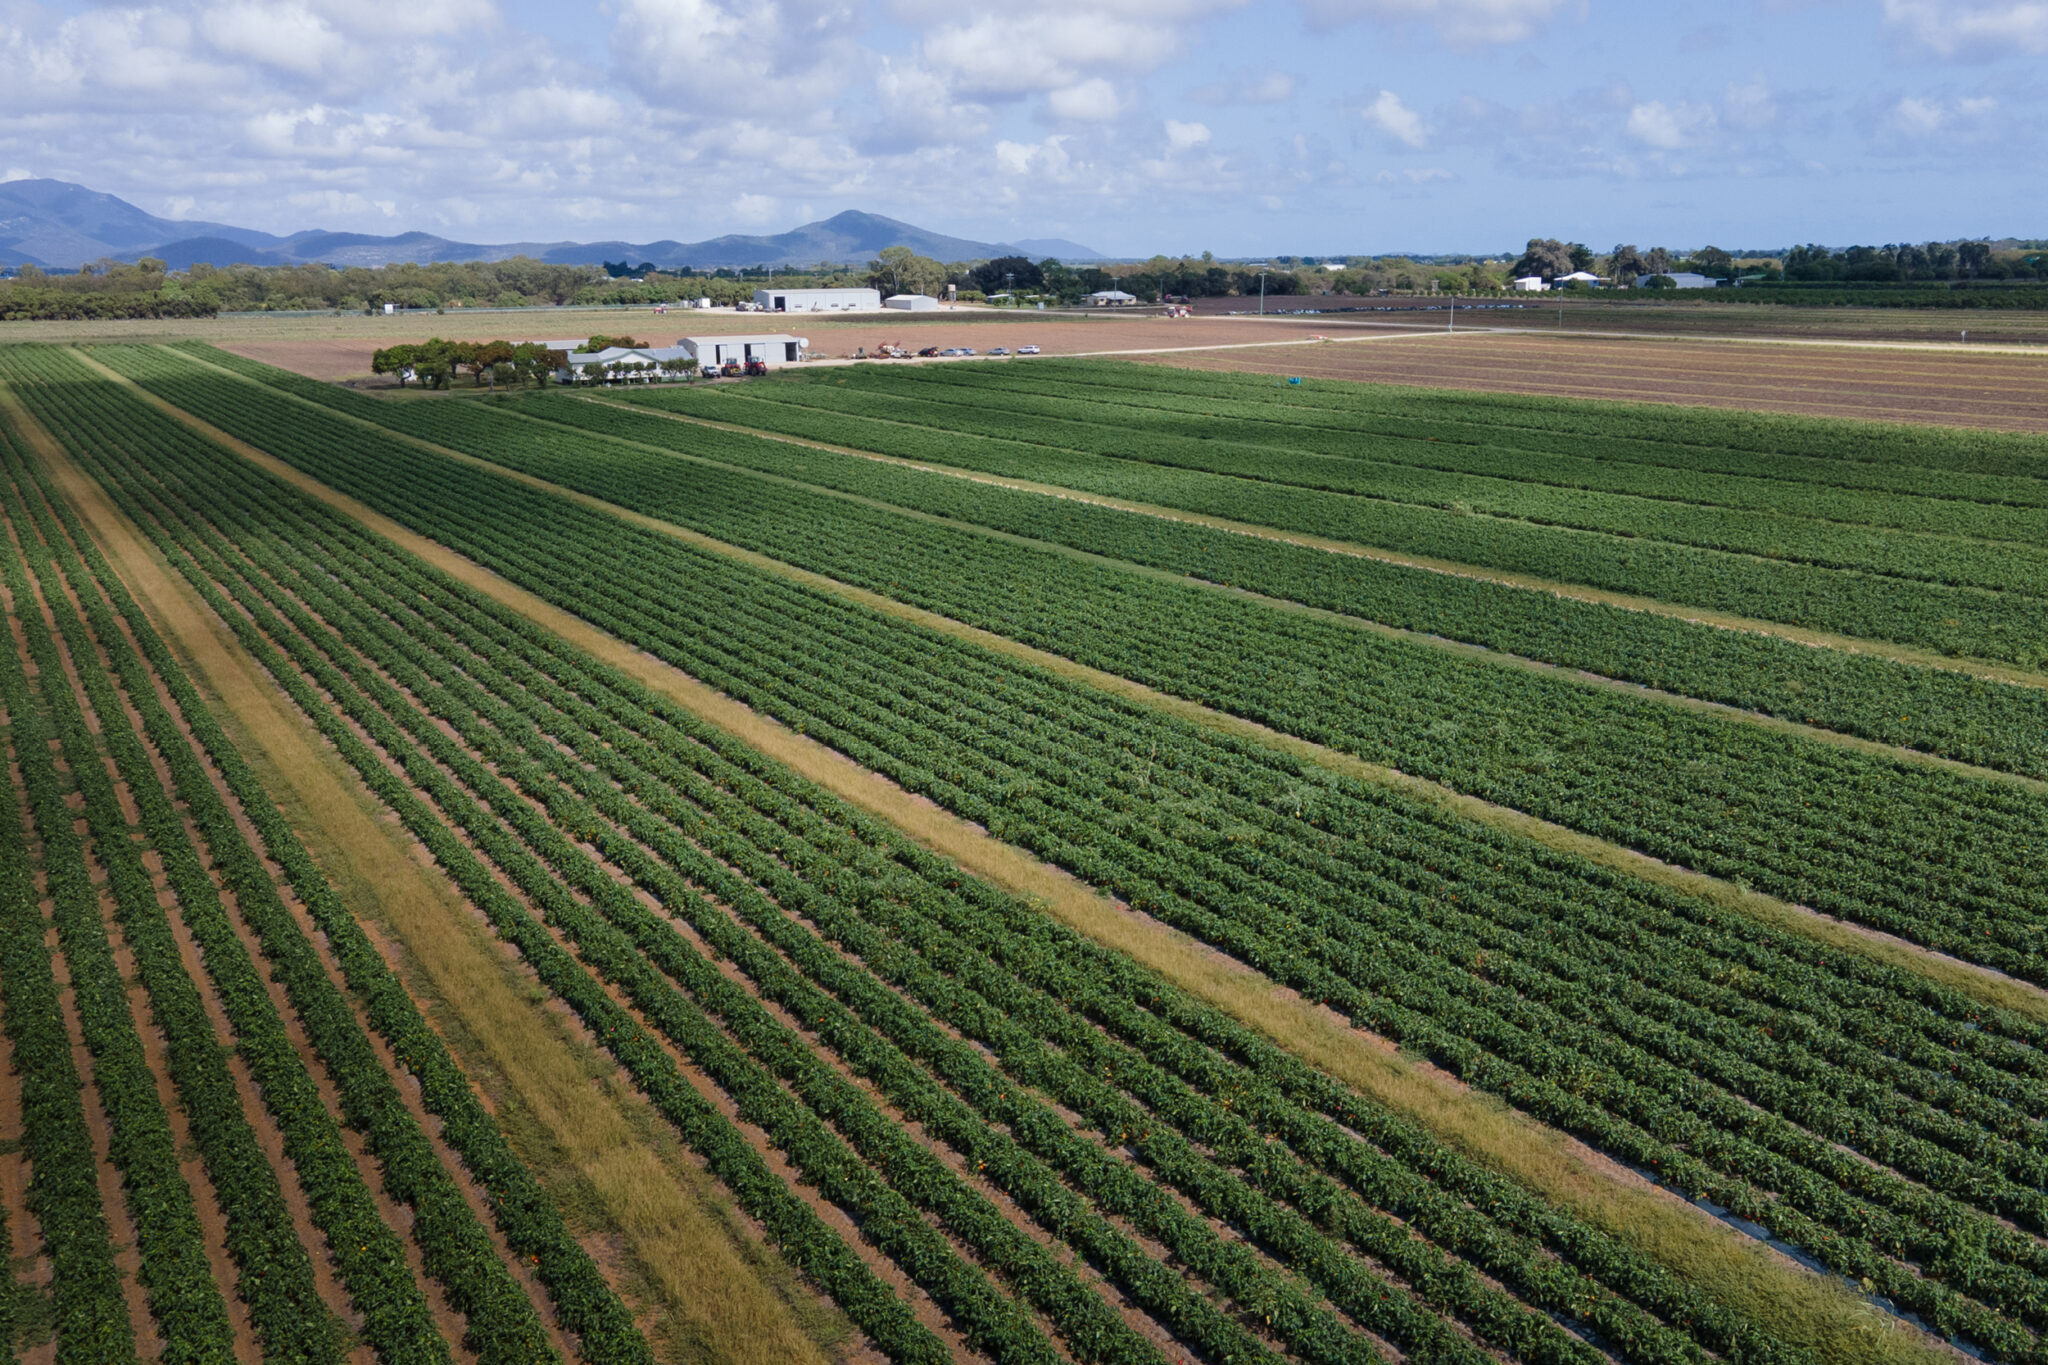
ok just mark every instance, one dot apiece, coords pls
pixel 913 303
pixel 1682 279
pixel 1532 284
pixel 817 300
pixel 774 348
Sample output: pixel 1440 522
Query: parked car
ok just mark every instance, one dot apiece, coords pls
pixel 929 350
pixel 999 350
pixel 1027 350
pixel 966 350
pixel 956 350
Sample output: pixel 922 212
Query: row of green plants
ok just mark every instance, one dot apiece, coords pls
pixel 635 594
pixel 1621 447
pixel 1948 713
pixel 89 1310
pixel 275 1274
pixel 370 1256
pixel 1342 457
pixel 501 1322
pixel 1935 856
pixel 1354 496
pixel 305 586
pixel 1943 594
pixel 1657 433
pixel 807 1241
pixel 525 1214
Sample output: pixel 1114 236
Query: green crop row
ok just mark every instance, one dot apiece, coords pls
pixel 1874 698
pixel 627 586
pixel 1671 547
pixel 526 1216
pixel 1932 856
pixel 91 1315
pixel 1830 490
pixel 306 588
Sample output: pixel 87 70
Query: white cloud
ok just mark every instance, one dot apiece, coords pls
pixel 1421 176
pixel 1462 23
pixel 1668 127
pixel 290 37
pixel 1183 136
pixel 1268 85
pixel 1047 160
pixel 1396 120
pixel 1916 115
pixel 1751 105
pixel 1971 29
pixel 1091 101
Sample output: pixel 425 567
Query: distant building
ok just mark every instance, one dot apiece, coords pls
pixel 911 303
pixel 1531 284
pixel 1579 277
pixel 1112 298
pixel 772 348
pixel 817 300
pixel 586 364
pixel 1682 279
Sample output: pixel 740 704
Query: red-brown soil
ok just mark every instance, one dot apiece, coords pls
pixel 2008 392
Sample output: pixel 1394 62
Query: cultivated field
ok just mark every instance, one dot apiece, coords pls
pixel 1998 390
pixel 1079 861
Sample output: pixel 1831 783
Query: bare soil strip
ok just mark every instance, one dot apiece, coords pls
pixel 1459 647
pixel 667 1215
pixel 1781 1295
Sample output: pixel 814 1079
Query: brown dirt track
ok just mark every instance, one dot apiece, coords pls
pixel 2002 391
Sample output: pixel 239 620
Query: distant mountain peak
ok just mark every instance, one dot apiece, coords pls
pixel 59 225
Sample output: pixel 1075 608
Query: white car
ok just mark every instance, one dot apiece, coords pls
pixel 1027 350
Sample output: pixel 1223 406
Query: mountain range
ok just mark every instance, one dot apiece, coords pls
pixel 60 226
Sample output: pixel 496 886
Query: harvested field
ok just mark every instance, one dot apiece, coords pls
pixel 2000 391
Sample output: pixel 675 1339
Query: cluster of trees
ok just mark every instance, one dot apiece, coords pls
pixel 145 288
pixel 435 363
pixel 1902 263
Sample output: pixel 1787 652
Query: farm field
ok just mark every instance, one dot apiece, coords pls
pixel 1081 861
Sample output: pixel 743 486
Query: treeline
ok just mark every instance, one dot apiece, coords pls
pixel 435 363
pixel 18 304
pixel 104 287
pixel 1958 295
pixel 1901 263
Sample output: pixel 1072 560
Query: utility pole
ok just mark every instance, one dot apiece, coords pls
pixel 1454 314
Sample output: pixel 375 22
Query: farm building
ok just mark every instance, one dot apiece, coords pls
pixel 1112 298
pixel 585 364
pixel 817 300
pixel 775 348
pixel 1531 284
pixel 1683 279
pixel 911 303
pixel 1580 277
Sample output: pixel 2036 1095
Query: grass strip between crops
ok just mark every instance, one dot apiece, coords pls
pixel 712 1291
pixel 1983 983
pixel 1788 1300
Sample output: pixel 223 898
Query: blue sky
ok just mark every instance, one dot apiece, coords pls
pixel 1236 126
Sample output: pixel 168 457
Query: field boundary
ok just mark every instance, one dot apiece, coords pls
pixel 1983 983
pixel 664 1221
pixel 1684 1236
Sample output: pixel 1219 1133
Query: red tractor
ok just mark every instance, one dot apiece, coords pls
pixel 756 365
pixel 732 369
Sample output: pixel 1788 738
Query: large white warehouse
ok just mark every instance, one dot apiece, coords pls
pixel 817 300
pixel 775 348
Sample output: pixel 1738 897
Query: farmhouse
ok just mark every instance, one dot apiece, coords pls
pixel 772 348
pixel 817 300
pixel 1579 277
pixel 1112 298
pixel 911 303
pixel 589 364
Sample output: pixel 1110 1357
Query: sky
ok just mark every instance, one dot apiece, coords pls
pixel 1242 127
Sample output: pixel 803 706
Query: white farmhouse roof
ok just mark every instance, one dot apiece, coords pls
pixel 1113 296
pixel 1579 277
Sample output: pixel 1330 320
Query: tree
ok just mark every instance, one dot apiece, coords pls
pixel 396 360
pixel 1545 256
pixel 1711 260
pixel 899 270
pixel 1006 272
pixel 1973 256
pixel 1582 256
pixel 1657 262
pixel 1625 263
